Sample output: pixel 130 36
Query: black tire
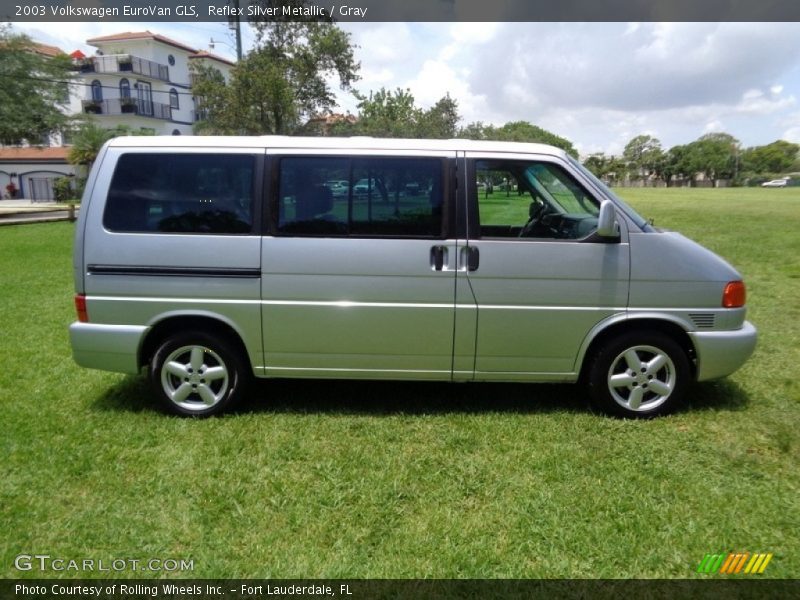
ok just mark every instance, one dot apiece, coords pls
pixel 653 388
pixel 207 374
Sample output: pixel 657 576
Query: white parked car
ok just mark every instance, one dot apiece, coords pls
pixel 363 186
pixel 775 183
pixel 338 187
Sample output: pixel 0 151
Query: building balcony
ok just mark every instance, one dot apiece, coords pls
pixel 200 114
pixel 124 63
pixel 130 106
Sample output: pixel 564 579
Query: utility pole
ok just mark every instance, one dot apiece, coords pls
pixel 234 24
pixel 238 32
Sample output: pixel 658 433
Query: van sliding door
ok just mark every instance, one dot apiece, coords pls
pixel 358 273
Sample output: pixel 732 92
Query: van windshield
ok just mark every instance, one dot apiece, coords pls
pixel 637 218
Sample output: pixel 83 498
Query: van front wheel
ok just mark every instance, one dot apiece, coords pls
pixel 195 374
pixel 639 375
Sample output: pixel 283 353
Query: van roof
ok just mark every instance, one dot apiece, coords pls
pixel 332 143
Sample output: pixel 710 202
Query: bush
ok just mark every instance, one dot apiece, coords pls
pixel 62 189
pixel 79 184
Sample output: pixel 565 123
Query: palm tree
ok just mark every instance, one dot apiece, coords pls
pixel 88 140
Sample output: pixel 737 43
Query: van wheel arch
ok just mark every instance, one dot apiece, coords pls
pixel 639 369
pixel 171 326
pixel 668 328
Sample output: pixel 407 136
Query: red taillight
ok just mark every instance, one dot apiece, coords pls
pixel 80 308
pixel 734 294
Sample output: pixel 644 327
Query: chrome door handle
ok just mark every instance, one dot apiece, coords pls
pixel 470 258
pixel 438 257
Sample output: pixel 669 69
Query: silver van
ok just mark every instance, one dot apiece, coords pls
pixel 211 260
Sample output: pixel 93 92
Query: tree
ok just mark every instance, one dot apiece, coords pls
pixel 395 114
pixel 643 155
pixel 596 163
pixel 714 155
pixel 86 144
pixel 89 139
pixel 674 163
pixel 386 114
pixel 281 84
pixel 522 131
pixel 517 131
pixel 773 159
pixel 441 120
pixel 474 131
pixel 607 168
pixel 34 90
pixel 211 98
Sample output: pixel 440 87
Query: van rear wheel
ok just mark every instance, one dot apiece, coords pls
pixel 639 375
pixel 195 374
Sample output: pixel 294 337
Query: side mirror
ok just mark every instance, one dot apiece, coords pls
pixel 607 225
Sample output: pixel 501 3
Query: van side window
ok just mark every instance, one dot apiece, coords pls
pixel 518 199
pixel 181 193
pixel 393 197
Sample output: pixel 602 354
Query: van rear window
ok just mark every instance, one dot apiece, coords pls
pixel 181 193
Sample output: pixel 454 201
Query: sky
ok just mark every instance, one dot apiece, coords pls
pixel 596 84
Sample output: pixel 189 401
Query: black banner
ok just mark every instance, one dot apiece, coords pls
pixel 732 588
pixel 399 10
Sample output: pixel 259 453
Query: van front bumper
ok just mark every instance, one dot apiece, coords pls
pixel 720 353
pixel 106 347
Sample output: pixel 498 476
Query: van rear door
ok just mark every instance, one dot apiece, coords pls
pixel 173 232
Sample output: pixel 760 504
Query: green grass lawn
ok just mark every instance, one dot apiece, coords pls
pixel 384 480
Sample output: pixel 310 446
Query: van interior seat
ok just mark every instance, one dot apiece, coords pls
pixel 313 206
pixel 314 202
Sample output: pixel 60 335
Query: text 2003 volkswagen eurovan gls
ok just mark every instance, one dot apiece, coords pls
pixel 212 259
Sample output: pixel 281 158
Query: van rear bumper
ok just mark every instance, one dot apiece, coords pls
pixel 720 353
pixel 106 347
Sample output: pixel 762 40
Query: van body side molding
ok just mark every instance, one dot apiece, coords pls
pixel 152 271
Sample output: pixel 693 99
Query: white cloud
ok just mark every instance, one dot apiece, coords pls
pixel 384 44
pixel 448 52
pixel 434 80
pixel 631 28
pixel 68 38
pixel 655 66
pixel 389 54
pixel 792 124
pixel 376 76
pixel 792 135
pixel 473 33
pixel 757 102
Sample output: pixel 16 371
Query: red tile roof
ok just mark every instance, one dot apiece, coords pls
pixel 204 54
pixel 139 35
pixel 46 49
pixel 35 154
